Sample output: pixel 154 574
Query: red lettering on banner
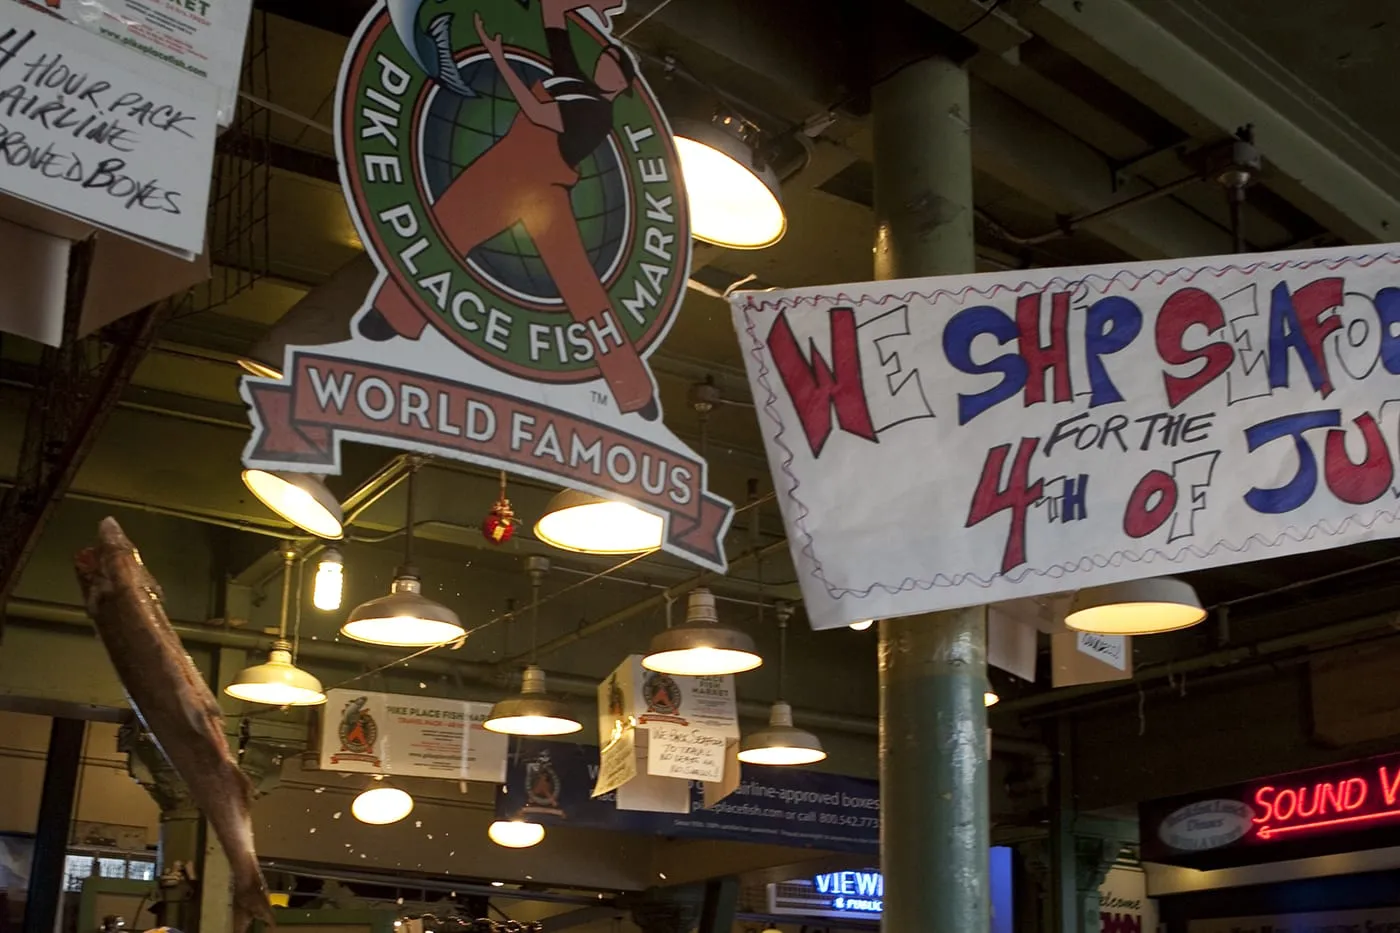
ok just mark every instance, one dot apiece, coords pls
pixel 1040 359
pixel 1311 302
pixel 1119 923
pixel 1017 496
pixel 1358 483
pixel 1152 502
pixel 816 387
pixel 1182 311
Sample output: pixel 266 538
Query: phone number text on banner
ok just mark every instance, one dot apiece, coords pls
pixel 1041 431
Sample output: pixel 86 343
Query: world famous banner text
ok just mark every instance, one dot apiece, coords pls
pixel 299 424
pixel 1039 431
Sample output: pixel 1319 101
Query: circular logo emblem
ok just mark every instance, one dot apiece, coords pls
pixel 1209 824
pixel 661 694
pixel 517 183
pixel 358 730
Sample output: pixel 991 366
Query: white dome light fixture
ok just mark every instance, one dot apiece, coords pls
pixel 381 803
pixel 588 524
pixel 733 194
pixel 532 711
pixel 1137 607
pixel 781 744
pixel 703 646
pixel 300 498
pixel 862 626
pixel 405 618
pixel 515 834
pixel 279 682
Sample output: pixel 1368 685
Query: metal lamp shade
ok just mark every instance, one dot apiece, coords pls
pixel 403 619
pixel 300 498
pixel 1137 607
pixel 781 743
pixel 279 682
pixel 587 524
pixel 532 712
pixel 322 316
pixel 702 647
pixel 734 200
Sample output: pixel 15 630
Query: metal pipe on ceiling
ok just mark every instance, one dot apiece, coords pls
pixel 1070 224
pixel 1259 652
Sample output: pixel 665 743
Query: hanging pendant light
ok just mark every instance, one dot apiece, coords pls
pixel 300 498
pixel 587 524
pixel 381 803
pixel 329 587
pixel 702 647
pixel 782 743
pixel 532 712
pixel 1137 607
pixel 990 697
pixel 405 618
pixel 515 834
pixel 862 626
pixel 279 682
pixel 733 195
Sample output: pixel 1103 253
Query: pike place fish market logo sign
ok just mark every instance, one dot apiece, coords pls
pixel 516 184
pixel 663 698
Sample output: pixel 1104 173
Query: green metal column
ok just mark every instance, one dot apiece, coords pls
pixel 934 836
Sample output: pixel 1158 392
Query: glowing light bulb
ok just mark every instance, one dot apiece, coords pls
pixel 330 581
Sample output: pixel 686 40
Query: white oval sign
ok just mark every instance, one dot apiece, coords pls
pixel 1206 824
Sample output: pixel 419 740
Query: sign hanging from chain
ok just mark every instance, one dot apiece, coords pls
pixel 516 183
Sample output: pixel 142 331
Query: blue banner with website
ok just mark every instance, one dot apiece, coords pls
pixel 551 783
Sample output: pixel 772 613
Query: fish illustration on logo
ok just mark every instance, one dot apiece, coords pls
pixel 542 786
pixel 533 212
pixel 358 734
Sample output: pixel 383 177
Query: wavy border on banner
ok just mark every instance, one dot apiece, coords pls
pixel 301 422
pixel 755 302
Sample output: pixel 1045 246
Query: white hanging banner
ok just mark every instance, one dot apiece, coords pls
pixel 1039 431
pixel 87 130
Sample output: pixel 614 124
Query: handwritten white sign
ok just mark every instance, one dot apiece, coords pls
pixel 617 763
pixel 202 38
pixel 691 752
pixel 1046 430
pixel 87 136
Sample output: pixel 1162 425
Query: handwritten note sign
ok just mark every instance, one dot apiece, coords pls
pixel 87 136
pixel 691 752
pixel 1110 649
pixel 1041 431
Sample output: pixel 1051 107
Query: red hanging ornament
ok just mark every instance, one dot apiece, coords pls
pixel 500 522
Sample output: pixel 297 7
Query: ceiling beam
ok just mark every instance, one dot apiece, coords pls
pixel 1200 73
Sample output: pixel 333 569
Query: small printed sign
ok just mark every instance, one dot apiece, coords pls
pixel 1110 649
pixel 202 38
pixel 415 736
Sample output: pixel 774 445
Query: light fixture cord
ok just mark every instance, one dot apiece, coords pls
pixel 534 622
pixel 412 511
pixel 296 613
pixel 288 555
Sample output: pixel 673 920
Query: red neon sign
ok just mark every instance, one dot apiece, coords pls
pixel 1364 798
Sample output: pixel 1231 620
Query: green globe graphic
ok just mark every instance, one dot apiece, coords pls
pixel 457 130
